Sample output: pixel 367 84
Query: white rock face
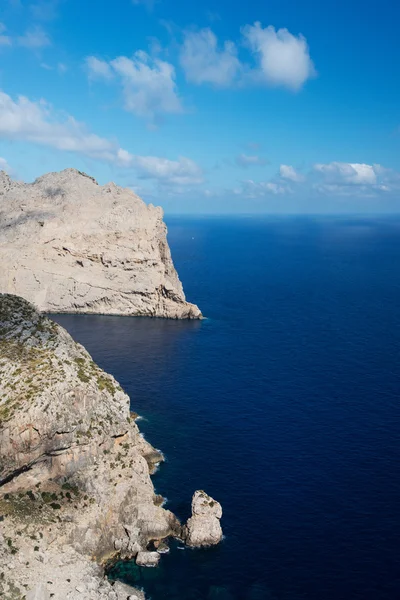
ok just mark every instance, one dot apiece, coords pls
pixel 70 245
pixel 203 528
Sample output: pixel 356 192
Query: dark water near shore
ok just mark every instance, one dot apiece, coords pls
pixel 283 405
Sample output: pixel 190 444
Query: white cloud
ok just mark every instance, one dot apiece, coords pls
pixel 349 179
pixel 244 160
pixel 204 62
pixel 284 59
pixel 39 123
pixel 149 85
pixel 288 172
pixel 343 180
pixel 183 171
pixel 34 38
pixel 260 189
pixel 348 173
pixel 98 69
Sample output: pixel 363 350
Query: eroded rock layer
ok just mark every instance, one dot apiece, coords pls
pixel 75 487
pixel 68 244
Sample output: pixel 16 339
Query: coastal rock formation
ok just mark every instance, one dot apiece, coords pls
pixel 68 244
pixel 203 528
pixel 148 559
pixel 75 487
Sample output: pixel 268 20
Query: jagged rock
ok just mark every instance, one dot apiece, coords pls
pixel 203 528
pixel 74 469
pixel 68 244
pixel 147 559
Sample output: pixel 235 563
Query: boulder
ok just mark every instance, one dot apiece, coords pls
pixel 147 559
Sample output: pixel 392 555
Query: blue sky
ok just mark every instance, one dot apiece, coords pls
pixel 275 106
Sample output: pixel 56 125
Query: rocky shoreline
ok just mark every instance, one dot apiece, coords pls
pixel 75 486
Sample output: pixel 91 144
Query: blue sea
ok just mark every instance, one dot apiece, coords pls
pixel 283 405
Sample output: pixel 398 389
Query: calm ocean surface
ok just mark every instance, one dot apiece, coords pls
pixel 283 405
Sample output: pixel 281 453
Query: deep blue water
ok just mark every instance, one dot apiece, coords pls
pixel 283 405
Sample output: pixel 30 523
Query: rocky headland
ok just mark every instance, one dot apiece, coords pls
pixel 75 485
pixel 68 244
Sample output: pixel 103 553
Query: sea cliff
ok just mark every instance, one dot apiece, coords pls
pixel 75 486
pixel 68 244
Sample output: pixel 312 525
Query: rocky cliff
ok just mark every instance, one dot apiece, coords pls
pixel 74 470
pixel 75 487
pixel 68 244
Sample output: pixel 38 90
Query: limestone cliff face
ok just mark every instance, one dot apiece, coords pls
pixel 70 245
pixel 74 470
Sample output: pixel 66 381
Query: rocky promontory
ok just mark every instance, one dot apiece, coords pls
pixel 68 244
pixel 75 486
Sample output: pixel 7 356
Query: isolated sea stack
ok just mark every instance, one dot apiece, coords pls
pixel 70 245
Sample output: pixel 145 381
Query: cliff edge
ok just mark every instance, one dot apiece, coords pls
pixel 68 244
pixel 75 487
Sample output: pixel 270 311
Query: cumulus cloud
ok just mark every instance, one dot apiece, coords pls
pixel 98 69
pixel 348 173
pixel 34 38
pixel 347 179
pixel 205 62
pixel 38 122
pixel 183 171
pixel 283 58
pixel 244 160
pixel 357 180
pixel 148 84
pixel 289 173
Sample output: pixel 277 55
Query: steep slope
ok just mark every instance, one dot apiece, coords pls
pixel 70 245
pixel 75 481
